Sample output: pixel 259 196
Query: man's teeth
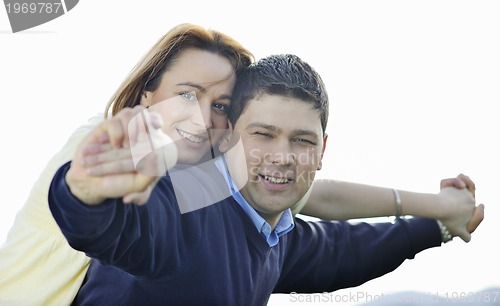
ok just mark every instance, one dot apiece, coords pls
pixel 276 180
pixel 191 137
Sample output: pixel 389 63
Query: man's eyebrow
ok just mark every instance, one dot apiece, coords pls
pixel 306 132
pixel 276 129
pixel 262 125
pixel 202 89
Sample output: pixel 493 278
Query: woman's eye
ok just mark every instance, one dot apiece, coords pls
pixel 189 96
pixel 221 108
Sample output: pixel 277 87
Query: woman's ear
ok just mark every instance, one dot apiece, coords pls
pixel 225 141
pixel 147 99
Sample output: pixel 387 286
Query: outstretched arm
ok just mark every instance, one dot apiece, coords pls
pixel 454 205
pixel 86 196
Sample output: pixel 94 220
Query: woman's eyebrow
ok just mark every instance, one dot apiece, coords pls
pixel 194 85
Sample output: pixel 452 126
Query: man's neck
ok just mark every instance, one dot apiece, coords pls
pixel 272 219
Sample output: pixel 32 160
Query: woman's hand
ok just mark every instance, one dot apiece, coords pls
pixel 123 157
pixel 463 215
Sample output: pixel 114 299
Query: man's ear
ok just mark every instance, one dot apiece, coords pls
pixel 147 99
pixel 320 165
pixel 225 141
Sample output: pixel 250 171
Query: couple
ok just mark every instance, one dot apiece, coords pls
pixel 243 248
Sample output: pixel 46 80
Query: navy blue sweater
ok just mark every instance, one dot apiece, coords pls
pixel 154 255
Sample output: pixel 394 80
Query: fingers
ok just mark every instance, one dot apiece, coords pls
pixel 102 159
pixel 141 124
pixel 114 167
pixel 104 166
pixel 142 158
pixel 156 120
pixel 121 161
pixel 143 187
pixel 468 183
pixel 461 181
pixel 122 142
pixel 102 153
pixel 154 164
pixel 96 148
pixel 452 182
pixel 118 127
pixel 138 198
pixel 465 236
pixel 476 219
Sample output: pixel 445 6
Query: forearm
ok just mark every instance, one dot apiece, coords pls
pixel 82 225
pixel 338 200
pixel 334 255
pixel 128 237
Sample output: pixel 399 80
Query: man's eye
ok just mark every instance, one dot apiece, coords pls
pixel 188 96
pixel 263 134
pixel 305 141
pixel 221 108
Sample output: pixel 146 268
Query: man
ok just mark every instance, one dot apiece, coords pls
pixel 243 248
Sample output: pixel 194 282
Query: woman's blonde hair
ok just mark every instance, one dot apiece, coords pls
pixel 146 75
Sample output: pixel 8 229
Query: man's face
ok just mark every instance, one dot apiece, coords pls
pixel 283 146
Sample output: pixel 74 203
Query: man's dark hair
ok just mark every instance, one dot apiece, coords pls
pixel 285 75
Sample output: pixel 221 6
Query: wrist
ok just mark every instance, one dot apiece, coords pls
pixel 445 233
pixel 427 205
pixel 79 189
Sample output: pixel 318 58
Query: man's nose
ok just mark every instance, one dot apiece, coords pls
pixel 281 154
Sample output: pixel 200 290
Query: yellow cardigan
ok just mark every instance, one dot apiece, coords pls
pixel 37 266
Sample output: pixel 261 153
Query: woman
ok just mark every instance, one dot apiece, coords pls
pixel 35 255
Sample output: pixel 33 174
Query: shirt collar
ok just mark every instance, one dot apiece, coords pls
pixel 285 223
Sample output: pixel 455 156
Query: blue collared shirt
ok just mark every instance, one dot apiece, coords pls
pixel 285 224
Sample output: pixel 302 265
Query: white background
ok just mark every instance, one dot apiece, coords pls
pixel 414 89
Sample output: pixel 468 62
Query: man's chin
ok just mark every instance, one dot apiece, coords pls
pixel 275 207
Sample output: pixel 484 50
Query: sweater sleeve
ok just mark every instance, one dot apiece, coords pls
pixel 145 241
pixel 326 256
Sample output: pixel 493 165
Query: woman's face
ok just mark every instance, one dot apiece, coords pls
pixel 193 98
